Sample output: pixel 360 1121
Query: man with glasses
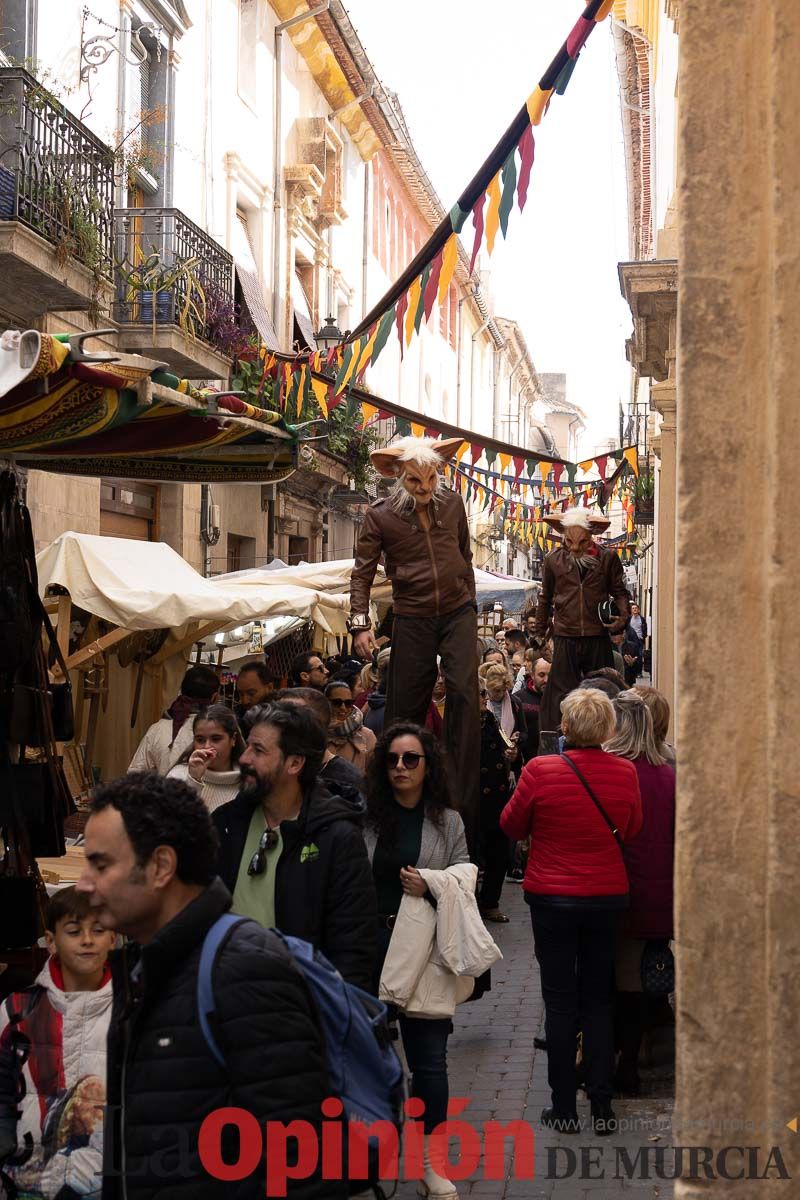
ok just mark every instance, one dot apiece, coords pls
pixel 308 670
pixel 292 852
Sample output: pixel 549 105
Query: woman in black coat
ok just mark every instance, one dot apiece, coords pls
pixel 497 784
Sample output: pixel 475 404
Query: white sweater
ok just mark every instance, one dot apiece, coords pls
pixel 216 788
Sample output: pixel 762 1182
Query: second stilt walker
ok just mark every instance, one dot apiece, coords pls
pixel 421 531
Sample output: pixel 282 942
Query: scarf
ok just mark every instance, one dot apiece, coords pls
pixel 504 713
pixel 343 732
pixel 180 710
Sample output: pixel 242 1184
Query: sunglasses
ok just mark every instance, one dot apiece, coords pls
pixel 258 863
pixel 341 703
pixel 409 760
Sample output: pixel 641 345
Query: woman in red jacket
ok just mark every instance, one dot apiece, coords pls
pixel 577 886
pixel 649 859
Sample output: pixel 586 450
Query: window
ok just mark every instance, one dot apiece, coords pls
pixel 129 509
pixel 298 550
pixel 148 138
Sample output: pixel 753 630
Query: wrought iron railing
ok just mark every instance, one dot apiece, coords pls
pixel 169 271
pixel 56 177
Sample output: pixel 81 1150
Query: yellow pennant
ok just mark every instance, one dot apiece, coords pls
pixel 586 465
pixel 449 260
pixel 462 450
pixel 544 471
pixel 505 462
pixel 493 213
pixel 320 389
pixel 366 354
pixel 413 305
pixel 368 411
pixel 537 104
pixel 417 430
pixel 631 455
pixel 351 366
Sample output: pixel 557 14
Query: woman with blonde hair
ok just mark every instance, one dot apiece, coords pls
pixel 507 709
pixel 658 704
pixel 577 888
pixel 649 859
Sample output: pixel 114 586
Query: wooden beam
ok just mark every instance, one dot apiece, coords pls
pixel 170 649
pixel 64 621
pixel 87 653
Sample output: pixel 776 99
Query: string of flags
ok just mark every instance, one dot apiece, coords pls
pixel 502 182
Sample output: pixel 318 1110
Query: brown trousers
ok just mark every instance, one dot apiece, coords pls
pixel 416 641
pixel 573 659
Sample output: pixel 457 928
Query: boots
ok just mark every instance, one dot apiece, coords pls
pixel 434 1185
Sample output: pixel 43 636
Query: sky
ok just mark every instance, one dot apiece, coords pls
pixel 462 69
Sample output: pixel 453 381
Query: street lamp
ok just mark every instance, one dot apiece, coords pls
pixel 329 335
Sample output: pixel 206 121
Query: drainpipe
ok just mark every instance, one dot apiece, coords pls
pixel 277 180
pixel 120 198
pixel 365 245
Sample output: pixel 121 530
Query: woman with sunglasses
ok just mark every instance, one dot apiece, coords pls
pixel 411 824
pixel 348 737
pixel 211 763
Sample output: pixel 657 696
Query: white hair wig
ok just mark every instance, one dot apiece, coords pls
pixel 419 450
pixel 577 518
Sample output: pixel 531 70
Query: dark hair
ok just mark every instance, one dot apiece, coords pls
pixel 380 798
pixel 158 811
pixel 312 699
pixel 300 666
pixel 221 715
pixel 338 683
pixel 260 669
pixel 66 904
pixel 300 733
pixel 601 684
pixel 608 673
pixel 516 635
pixel 200 683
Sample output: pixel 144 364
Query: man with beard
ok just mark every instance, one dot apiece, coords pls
pixel 291 852
pixel 421 530
pixel 577 578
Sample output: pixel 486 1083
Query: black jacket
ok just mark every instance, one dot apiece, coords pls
pixel 266 1025
pixel 328 898
pixel 496 786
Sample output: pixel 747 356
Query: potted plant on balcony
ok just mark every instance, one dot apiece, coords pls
pixel 166 292
pixel 643 491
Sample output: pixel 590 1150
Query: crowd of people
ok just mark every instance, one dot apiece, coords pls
pixel 300 809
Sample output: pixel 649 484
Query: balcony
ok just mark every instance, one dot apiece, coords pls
pixel 56 201
pixel 169 275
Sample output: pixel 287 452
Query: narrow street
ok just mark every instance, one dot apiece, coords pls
pixel 492 1060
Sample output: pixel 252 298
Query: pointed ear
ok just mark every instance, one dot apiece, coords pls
pixel 386 462
pixel 447 448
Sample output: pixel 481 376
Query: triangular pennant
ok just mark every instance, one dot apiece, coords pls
pixel 462 450
pixel 587 464
pixel 432 286
pixel 571 472
pixel 509 181
pixel 368 411
pixel 601 462
pixel 417 430
pixel 348 357
pixel 382 335
pixel 491 456
pixel 320 388
pixel 493 213
pixel 544 470
pixel 366 354
pixel 527 151
pixel 476 452
pixel 519 466
pixel 505 462
pixel 414 295
pixel 449 260
pixel 402 427
pixel 477 221
pixel 558 471
pixel 423 283
pixel 631 455
pixel 399 316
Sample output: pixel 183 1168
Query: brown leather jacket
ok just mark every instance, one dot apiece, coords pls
pixel 430 570
pixel 573 601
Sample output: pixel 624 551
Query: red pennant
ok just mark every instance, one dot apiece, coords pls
pixel 399 320
pixel 432 286
pixel 477 221
pixel 578 36
pixel 333 400
pixel 601 465
pixel 558 471
pixel 431 432
pixel 384 415
pixel 519 466
pixel 475 451
pixel 527 151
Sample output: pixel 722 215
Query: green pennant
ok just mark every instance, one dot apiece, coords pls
pixel 402 427
pixel 381 337
pixel 346 357
pixel 291 399
pixel 491 456
pixel 426 274
pixel 487 498
pixel 509 181
pixel 572 469
pixel 531 464
pixel 457 218
pixel 308 394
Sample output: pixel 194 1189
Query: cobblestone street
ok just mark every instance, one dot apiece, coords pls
pixel 492 1061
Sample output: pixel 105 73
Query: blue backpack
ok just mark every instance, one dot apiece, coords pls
pixel 363 1069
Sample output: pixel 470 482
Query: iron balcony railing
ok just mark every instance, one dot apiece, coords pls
pixel 169 271
pixel 56 177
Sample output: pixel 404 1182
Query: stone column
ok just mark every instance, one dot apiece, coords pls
pixel 738 832
pixel 662 398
